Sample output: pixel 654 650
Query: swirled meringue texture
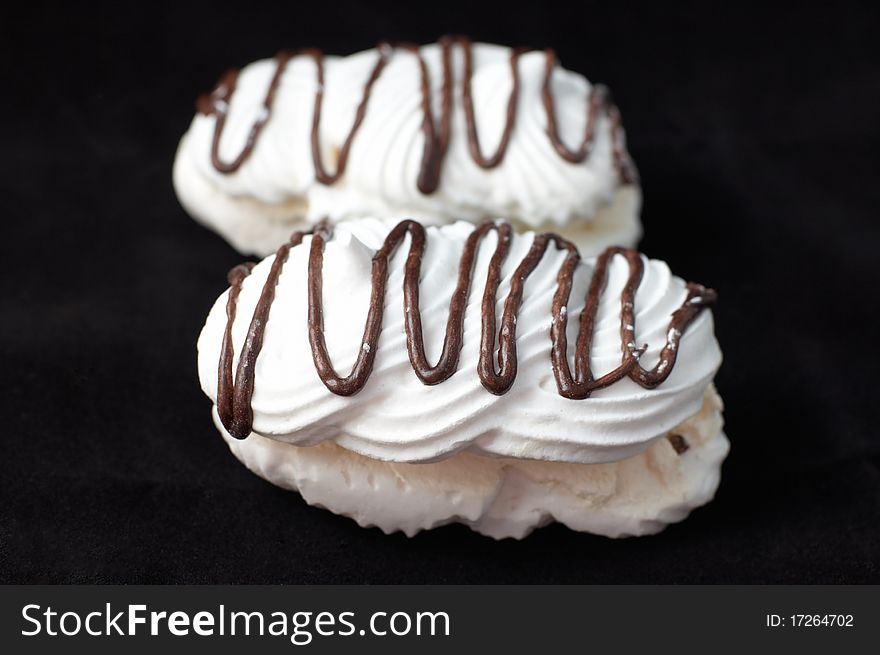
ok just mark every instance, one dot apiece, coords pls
pixel 502 497
pixel 275 191
pixel 395 417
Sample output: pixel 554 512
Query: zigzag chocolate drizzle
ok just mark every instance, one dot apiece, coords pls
pixel 436 137
pixel 234 394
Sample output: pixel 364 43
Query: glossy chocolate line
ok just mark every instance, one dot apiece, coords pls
pixel 436 138
pixel 234 397
pixel 225 384
pixel 600 100
pixel 468 102
pixel 320 172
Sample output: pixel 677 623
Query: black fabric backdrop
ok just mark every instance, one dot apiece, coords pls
pixel 756 135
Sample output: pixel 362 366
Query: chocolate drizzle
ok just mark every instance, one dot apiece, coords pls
pixel 436 136
pixel 234 394
pixel 678 442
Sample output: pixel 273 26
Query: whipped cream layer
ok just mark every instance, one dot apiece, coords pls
pixel 396 417
pixel 532 185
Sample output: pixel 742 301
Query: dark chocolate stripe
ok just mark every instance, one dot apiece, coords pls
pixel 234 398
pixel 600 100
pixel 436 138
pixel 470 119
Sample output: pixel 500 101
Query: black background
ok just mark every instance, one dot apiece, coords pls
pixel 756 135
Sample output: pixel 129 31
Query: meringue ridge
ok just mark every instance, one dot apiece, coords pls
pixel 235 393
pixel 436 134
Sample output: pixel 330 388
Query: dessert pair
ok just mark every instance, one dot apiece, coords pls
pixel 401 366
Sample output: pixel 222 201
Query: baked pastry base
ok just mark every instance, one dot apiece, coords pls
pixel 256 228
pixel 505 497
